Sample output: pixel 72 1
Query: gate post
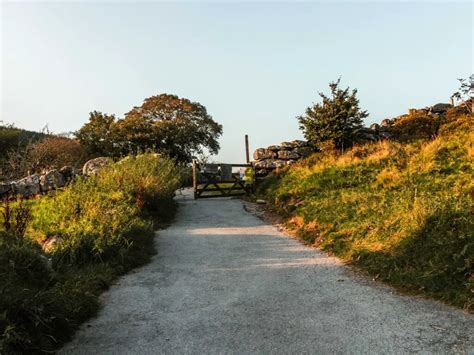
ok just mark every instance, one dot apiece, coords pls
pixel 247 153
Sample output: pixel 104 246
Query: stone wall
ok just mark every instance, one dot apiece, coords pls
pixel 50 180
pixel 278 156
pixel 287 153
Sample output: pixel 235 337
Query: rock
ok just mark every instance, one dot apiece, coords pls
pixel 27 186
pixel 440 108
pixel 303 152
pixel 288 145
pixel 93 166
pixel 276 163
pixel 386 123
pixel 5 188
pixel 288 154
pixel 262 153
pixel 51 180
pixel 298 143
pixel 374 126
pixel 274 148
pixel 261 164
pixel 259 153
pixel 261 202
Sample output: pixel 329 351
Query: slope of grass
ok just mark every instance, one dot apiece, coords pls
pixel 103 227
pixel 401 212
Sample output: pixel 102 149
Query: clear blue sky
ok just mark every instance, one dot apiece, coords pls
pixel 255 66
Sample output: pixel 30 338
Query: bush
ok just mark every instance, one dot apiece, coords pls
pixel 416 125
pixel 103 227
pixel 48 153
pixel 337 119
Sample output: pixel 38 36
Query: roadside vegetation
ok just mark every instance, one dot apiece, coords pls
pixel 60 251
pixel 400 209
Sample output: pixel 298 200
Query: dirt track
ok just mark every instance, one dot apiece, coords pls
pixel 225 282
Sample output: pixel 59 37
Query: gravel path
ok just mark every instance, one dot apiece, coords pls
pixel 225 282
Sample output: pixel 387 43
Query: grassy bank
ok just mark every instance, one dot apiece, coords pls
pixel 102 227
pixel 402 212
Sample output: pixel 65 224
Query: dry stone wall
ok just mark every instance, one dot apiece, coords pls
pixel 278 156
pixel 50 180
pixel 287 153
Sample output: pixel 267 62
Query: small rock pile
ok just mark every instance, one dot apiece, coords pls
pixel 278 156
pixel 50 180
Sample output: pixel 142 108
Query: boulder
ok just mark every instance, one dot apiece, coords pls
pixel 274 148
pixel 288 154
pixel 93 166
pixel 288 145
pixel 51 180
pixel 259 153
pixel 278 163
pixel 440 108
pixel 386 123
pixel 262 153
pixel 261 164
pixel 27 186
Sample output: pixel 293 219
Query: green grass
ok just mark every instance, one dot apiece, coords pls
pixel 103 226
pixel 401 212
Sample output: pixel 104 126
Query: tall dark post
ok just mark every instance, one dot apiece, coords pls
pixel 194 178
pixel 247 153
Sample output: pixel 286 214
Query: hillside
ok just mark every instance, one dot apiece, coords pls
pixel 400 211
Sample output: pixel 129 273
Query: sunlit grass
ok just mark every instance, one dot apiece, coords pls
pixel 401 211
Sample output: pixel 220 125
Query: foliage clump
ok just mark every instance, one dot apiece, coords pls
pixel 416 125
pixel 164 123
pixel 337 119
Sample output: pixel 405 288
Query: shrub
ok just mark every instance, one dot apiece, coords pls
pixel 337 119
pixel 47 153
pixel 416 125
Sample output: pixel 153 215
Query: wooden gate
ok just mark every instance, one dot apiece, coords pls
pixel 219 180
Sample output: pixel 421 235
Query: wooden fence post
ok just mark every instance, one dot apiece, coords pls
pixel 247 153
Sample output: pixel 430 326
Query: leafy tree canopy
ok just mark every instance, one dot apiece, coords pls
pixel 165 123
pixel 338 118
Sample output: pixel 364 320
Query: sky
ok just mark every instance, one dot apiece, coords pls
pixel 255 66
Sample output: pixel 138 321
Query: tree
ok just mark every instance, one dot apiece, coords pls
pixel 179 127
pixel 97 136
pixel 164 123
pixel 338 118
pixel 465 93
